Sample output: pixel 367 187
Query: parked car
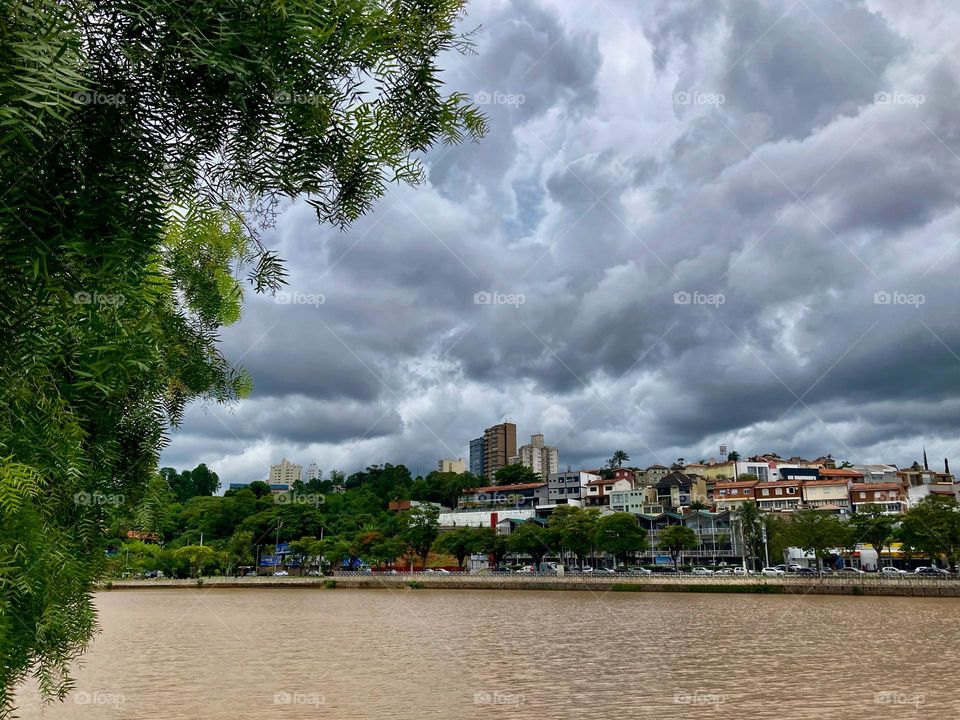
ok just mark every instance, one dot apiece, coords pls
pixel 805 571
pixel 442 571
pixel 525 570
pixel 742 571
pixel 667 569
pixel 281 573
pixel 641 571
pixel 727 572
pixel 850 571
pixel 939 572
pixel 893 572
pixel 772 572
pixel 604 571
pixel 702 571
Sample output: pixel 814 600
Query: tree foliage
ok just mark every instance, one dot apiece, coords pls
pixel 142 149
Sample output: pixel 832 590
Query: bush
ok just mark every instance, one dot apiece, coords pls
pixel 329 583
pixel 415 584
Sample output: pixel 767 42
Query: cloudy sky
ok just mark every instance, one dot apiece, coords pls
pixel 692 223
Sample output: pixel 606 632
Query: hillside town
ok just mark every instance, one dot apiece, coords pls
pixel 704 496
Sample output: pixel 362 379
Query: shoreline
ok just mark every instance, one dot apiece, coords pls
pixel 762 586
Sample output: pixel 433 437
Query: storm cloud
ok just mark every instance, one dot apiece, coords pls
pixel 691 224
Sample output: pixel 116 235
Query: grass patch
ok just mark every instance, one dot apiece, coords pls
pixel 330 583
pixel 415 585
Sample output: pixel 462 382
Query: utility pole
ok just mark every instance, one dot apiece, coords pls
pixel 766 550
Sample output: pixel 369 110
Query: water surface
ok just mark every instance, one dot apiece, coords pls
pixel 247 654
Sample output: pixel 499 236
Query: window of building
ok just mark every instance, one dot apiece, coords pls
pixel 862 495
pixel 766 491
pixel 778 491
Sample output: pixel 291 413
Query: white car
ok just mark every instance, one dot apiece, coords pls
pixel 742 571
pixel 281 573
pixel 850 571
pixel 702 571
pixel 441 571
pixel 527 570
pixel 893 572
pixel 771 572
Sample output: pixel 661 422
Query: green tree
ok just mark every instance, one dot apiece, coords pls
pixel 421 526
pixel 461 542
pixel 872 527
pixel 200 559
pixel 618 459
pixel 932 528
pixel 386 550
pixel 530 539
pixel 159 137
pixel 259 488
pixel 816 531
pixel 675 539
pixel 620 535
pixel 515 475
pixel 204 480
pixel 751 523
pixel 733 456
pixel 239 550
pixel 574 529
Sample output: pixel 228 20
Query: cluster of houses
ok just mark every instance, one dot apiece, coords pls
pixel 704 496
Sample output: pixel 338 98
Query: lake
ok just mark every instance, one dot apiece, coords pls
pixel 337 653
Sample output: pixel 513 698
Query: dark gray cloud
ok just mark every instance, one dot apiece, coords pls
pixel 667 271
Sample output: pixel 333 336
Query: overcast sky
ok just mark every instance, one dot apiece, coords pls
pixel 728 222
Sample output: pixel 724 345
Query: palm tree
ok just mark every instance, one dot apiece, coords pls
pixel 618 459
pixel 733 456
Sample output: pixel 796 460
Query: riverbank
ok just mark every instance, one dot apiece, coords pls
pixel 909 587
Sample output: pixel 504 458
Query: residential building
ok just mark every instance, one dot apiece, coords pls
pixel 652 475
pixel 916 475
pixel 730 495
pixel 828 493
pixel 521 495
pixel 457 466
pixel 567 488
pixel 679 489
pixel 284 472
pixel 878 473
pixel 916 493
pixel 597 492
pixel 499 445
pixel 713 470
pixel 314 472
pixel 477 454
pixel 890 497
pixel 542 459
pixel 716 538
pixel 780 495
pixel 631 501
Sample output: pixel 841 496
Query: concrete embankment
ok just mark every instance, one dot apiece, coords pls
pixel 910 587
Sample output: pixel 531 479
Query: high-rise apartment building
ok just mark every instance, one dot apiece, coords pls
pixel 314 472
pixel 476 457
pixel 457 466
pixel 285 472
pixel 499 445
pixel 542 459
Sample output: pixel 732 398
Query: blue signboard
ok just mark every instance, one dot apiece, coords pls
pixel 270 560
pixel 663 560
pixel 283 548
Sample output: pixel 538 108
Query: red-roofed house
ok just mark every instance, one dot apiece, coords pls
pixel 889 496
